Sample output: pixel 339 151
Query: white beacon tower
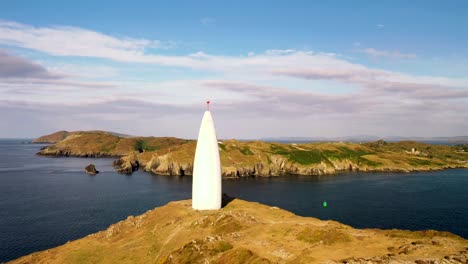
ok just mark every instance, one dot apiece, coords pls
pixel 206 186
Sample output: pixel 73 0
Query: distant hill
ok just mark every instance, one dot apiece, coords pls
pixel 52 138
pixel 61 135
pixel 174 156
pixel 97 143
pixel 367 138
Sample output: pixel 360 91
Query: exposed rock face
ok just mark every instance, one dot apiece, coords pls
pixel 168 165
pixel 127 164
pixel 247 232
pixel 165 166
pixel 54 151
pixel 91 169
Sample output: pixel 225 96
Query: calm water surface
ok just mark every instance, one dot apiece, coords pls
pixel 44 202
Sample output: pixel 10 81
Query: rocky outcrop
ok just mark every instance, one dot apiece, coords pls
pixel 127 164
pixel 164 165
pixel 91 169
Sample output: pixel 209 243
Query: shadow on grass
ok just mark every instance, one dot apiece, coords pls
pixel 226 200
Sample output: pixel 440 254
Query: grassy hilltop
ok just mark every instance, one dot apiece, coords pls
pixel 174 156
pixel 247 232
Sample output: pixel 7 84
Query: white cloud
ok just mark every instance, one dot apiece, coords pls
pixel 388 54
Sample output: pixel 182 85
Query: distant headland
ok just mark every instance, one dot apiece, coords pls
pixel 174 156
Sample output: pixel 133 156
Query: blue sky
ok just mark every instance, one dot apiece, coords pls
pixel 289 68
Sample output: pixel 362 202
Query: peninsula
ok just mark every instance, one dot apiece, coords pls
pixel 174 156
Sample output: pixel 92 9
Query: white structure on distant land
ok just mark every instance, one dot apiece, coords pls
pixel 206 185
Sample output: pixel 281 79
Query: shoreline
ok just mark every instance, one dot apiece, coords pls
pixel 336 172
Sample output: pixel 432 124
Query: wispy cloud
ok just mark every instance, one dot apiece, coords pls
pixel 387 54
pixel 276 86
pixel 12 66
pixel 73 41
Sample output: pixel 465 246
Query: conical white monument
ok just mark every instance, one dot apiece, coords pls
pixel 206 186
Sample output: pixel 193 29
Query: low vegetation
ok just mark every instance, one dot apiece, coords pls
pixel 323 236
pixel 175 233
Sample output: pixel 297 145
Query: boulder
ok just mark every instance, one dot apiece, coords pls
pixel 91 169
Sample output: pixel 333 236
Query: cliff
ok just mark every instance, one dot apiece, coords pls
pixel 173 156
pixel 247 232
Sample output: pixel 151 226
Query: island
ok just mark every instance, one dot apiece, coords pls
pixel 248 232
pixel 174 156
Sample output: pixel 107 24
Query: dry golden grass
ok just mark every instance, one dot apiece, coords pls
pixel 246 232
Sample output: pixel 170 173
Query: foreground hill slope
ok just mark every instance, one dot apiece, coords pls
pixel 173 156
pixel 247 232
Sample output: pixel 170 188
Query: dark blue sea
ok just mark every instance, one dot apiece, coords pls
pixel 45 202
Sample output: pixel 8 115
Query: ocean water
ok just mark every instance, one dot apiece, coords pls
pixel 46 201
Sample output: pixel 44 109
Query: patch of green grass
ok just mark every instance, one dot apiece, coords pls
pixel 278 149
pixel 420 162
pixel 109 148
pixel 353 155
pixel 307 157
pixel 222 146
pixel 142 145
pixel 419 234
pixel 303 157
pixel 463 147
pixel 241 256
pixel 246 151
pixel 196 251
pixel 369 162
pixel 325 236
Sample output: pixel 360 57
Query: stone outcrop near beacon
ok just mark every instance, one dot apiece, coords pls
pixel 173 156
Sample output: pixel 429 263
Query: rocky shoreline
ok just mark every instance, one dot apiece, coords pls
pixel 172 156
pixel 127 164
pixel 161 166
